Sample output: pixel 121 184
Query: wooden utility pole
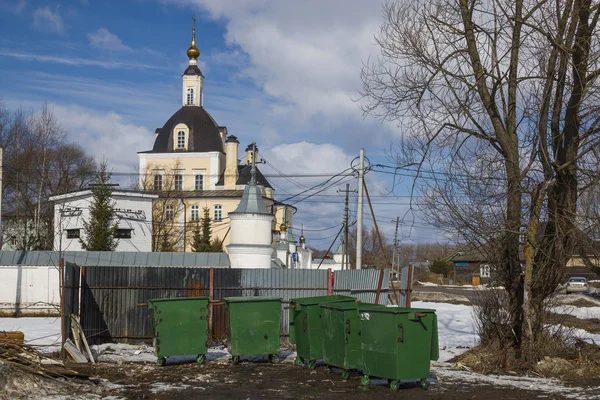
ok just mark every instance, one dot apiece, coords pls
pixel 359 211
pixel 345 258
pixel 394 262
pixel 385 259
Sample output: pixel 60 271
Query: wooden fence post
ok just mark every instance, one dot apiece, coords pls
pixel 63 333
pixel 211 295
pixel 329 282
pixel 409 285
pixel 379 283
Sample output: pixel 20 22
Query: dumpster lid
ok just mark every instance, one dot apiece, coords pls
pixel 178 299
pixel 250 298
pixel 308 301
pixel 394 310
pixel 351 305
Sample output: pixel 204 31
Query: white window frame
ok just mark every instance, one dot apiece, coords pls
pixel 190 96
pixel 169 213
pixel 178 175
pixel 201 186
pixel 157 181
pixel 195 213
pixel 217 212
pixel 181 139
pixel 485 271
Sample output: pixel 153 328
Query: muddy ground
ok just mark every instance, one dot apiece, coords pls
pixel 262 380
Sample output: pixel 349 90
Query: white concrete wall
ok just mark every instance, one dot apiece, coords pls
pixel 139 219
pixel 30 290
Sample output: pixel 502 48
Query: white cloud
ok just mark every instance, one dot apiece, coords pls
pixel 307 54
pixel 47 20
pixel 105 135
pixel 103 39
pixel 79 61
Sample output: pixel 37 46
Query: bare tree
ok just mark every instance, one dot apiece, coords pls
pixel 38 162
pixel 497 102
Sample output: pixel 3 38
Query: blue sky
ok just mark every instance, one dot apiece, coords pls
pixel 283 73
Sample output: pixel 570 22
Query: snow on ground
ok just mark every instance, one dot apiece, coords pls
pixel 42 332
pixel 579 312
pixel 456 327
pixel 552 387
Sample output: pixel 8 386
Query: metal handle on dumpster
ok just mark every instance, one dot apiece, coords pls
pixel 348 326
pixel 304 324
pixel 289 307
pixel 141 304
pixel 216 302
pixel 401 338
pixel 420 315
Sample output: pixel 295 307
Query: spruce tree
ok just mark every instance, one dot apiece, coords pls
pixel 201 242
pixel 99 231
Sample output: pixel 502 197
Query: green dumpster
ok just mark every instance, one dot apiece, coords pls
pixel 306 323
pixel 179 327
pixel 254 326
pixel 340 330
pixel 398 343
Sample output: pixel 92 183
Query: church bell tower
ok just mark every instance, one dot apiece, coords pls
pixel 192 76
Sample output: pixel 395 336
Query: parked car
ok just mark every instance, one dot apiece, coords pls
pixel 577 284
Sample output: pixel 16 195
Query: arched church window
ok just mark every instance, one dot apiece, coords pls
pixel 181 140
pixel 190 96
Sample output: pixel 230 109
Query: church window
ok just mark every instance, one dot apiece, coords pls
pixel 169 213
pixel 218 212
pixel 190 96
pixel 181 140
pixel 195 213
pixel 199 182
pixel 72 233
pixel 158 182
pixel 123 233
pixel 178 181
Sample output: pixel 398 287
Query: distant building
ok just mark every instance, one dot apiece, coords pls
pixel 335 264
pixel 133 215
pixel 194 165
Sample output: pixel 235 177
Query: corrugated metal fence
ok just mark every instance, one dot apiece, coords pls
pixel 113 298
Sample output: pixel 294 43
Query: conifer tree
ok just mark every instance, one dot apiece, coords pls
pixel 99 231
pixel 201 242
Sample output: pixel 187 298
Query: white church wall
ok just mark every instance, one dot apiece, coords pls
pixel 134 211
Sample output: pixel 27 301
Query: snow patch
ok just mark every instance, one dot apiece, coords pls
pixel 39 331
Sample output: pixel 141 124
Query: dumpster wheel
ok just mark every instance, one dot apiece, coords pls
pixel 299 361
pixel 424 383
pixel 274 358
pixel 312 364
pixel 201 358
pixel 161 361
pixel 365 380
pixel 346 374
pixel 235 360
pixel 328 368
pixel 395 385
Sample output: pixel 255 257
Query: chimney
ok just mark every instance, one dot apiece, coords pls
pixel 250 155
pixel 231 162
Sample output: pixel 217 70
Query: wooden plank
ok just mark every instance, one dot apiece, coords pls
pixel 73 352
pixel 85 342
pixel 16 336
pixel 76 332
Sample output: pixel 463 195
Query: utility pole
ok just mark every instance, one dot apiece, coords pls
pixel 394 262
pixel 345 258
pixel 359 211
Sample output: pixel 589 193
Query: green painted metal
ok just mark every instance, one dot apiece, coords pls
pixel 254 325
pixel 340 330
pixel 306 322
pixel 179 326
pixel 398 343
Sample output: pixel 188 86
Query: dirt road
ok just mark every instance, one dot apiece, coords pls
pixel 261 380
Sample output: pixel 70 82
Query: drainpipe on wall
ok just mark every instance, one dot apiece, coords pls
pixel 184 224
